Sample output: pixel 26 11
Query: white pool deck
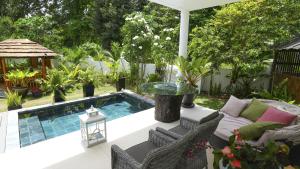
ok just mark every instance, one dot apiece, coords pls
pixel 66 152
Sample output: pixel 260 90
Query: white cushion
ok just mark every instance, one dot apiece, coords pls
pixel 228 124
pixel 234 106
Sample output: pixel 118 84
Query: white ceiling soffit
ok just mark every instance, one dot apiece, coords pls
pixel 191 5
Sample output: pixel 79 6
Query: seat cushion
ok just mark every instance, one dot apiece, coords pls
pixel 179 130
pixel 274 115
pixel 228 124
pixel 234 106
pixel 254 110
pixel 140 151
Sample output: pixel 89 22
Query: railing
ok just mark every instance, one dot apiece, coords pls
pixel 287 62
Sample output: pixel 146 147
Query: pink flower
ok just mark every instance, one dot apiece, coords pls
pixel 226 150
pixel 236 164
pixel 238 147
pixel 230 155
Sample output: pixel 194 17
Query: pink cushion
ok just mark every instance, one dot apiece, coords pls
pixel 274 115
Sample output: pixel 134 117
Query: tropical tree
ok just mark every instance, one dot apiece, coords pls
pixel 242 34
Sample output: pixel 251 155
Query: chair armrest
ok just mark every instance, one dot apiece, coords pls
pixel 168 133
pixel 159 139
pixel 188 123
pixel 121 159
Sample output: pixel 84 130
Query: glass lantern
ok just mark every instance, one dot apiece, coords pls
pixel 93 127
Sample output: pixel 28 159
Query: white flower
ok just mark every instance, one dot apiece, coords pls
pixel 155 44
pixel 171 29
pixel 141 47
pixel 156 37
pixel 145 35
pixel 168 38
pixel 136 37
pixel 132 44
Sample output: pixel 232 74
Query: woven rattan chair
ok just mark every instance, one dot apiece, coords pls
pixel 205 129
pixel 161 151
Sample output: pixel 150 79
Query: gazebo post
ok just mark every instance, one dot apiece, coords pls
pixel 3 66
pixel 44 68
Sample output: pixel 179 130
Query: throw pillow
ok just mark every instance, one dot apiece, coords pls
pixel 274 115
pixel 254 110
pixel 234 106
pixel 255 130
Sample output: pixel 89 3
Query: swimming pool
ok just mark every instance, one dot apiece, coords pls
pixel 49 122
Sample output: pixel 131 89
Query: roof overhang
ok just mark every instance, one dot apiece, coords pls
pixel 191 5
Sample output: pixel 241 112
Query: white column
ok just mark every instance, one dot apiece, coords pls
pixel 184 33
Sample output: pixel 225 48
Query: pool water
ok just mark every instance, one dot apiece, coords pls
pixel 38 126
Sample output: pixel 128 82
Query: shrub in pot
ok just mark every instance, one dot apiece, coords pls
pixel 113 62
pixel 89 79
pixel 59 82
pixel 20 80
pixel 36 92
pixel 192 71
pixel 13 100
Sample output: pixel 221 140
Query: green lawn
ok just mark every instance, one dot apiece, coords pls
pixel 203 100
pixel 210 102
pixel 30 101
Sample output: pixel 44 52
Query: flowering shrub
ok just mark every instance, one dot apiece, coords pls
pixel 137 41
pixel 164 50
pixel 242 155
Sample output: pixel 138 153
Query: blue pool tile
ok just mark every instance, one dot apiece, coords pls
pixel 61 120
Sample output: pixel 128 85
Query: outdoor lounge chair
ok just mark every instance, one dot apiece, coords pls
pixel 160 151
pixel 200 159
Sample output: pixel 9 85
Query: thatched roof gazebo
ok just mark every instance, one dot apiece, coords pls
pixel 24 48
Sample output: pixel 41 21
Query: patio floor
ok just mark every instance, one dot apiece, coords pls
pixel 66 152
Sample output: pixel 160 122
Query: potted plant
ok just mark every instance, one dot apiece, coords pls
pixel 36 92
pixel 20 79
pixel 59 83
pixel 192 71
pixel 113 63
pixel 121 80
pixel 13 100
pixel 89 79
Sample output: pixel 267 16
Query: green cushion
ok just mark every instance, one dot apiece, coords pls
pixel 255 130
pixel 254 110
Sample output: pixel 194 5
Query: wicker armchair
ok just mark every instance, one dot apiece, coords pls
pixel 204 129
pixel 159 152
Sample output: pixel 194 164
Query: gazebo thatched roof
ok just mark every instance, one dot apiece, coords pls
pixel 24 48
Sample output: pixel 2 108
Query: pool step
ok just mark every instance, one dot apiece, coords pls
pixel 31 131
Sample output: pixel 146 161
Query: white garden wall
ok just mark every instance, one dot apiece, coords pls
pixel 218 77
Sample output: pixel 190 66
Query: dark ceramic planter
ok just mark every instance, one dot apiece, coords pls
pixel 120 84
pixel 22 91
pixel 187 101
pixel 14 107
pixel 167 107
pixel 88 90
pixel 58 97
pixel 36 94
